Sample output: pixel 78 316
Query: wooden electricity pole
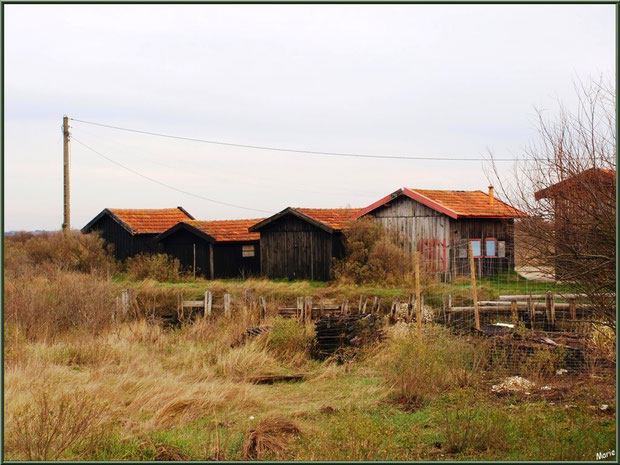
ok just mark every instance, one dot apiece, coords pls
pixel 66 225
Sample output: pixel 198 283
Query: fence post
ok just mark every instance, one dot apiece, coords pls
pixel 375 305
pixel 307 314
pixel 208 303
pixel 572 307
pixel 262 308
pixel 300 308
pixel 418 297
pixel 125 300
pixel 180 314
pixel 532 310
pixel 514 312
pixel 472 265
pixel 227 311
pixel 345 307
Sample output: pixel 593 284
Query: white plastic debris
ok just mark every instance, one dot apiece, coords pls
pixel 545 388
pixel 561 371
pixel 514 384
pixel 251 417
pixel 604 407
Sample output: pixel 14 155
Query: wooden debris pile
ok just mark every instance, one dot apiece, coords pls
pixel 334 332
pixel 250 333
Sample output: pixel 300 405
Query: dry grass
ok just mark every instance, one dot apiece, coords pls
pixel 271 436
pixel 46 427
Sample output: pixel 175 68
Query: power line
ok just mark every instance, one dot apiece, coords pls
pixel 279 149
pixel 162 183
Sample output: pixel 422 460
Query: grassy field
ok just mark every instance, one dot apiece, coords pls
pixel 85 381
pixel 142 393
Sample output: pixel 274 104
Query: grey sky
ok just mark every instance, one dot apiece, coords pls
pixel 427 80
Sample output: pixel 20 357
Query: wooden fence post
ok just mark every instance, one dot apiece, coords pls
pixel 532 311
pixel 345 307
pixel 307 309
pixel 262 303
pixel 227 311
pixel 375 305
pixel 125 300
pixel 514 312
pixel 572 307
pixel 321 308
pixel 208 304
pixel 180 313
pixel 418 297
pixel 300 308
pixel 472 265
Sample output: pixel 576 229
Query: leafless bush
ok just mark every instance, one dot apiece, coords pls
pixel 566 184
pixel 43 306
pixel 69 252
pixel 372 256
pixel 49 426
pixel 159 267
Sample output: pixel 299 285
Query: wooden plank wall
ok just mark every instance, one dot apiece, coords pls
pixel 180 245
pixel 295 249
pixel 418 228
pixel 125 245
pixel 229 262
pixel 464 229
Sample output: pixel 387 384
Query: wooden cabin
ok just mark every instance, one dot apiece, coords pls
pixel 584 214
pixel 215 249
pixel 132 231
pixel 300 243
pixel 440 224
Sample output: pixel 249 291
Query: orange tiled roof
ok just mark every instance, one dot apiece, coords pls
pixel 150 221
pixel 455 204
pixel 599 177
pixel 228 230
pixel 470 204
pixel 335 218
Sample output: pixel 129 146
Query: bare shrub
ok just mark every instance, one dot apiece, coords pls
pixel 372 256
pixel 159 267
pixel 69 252
pixel 43 306
pixel 49 426
pixel 566 183
pixel 271 436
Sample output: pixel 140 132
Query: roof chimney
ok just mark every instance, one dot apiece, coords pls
pixel 491 195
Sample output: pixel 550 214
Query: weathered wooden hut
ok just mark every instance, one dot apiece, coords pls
pixel 300 243
pixel 440 224
pixel 215 249
pixel 132 231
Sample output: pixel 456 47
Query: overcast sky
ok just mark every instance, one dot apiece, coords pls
pixel 407 80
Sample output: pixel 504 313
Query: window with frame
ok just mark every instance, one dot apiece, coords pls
pixel 501 249
pixel 476 247
pixel 490 247
pixel 247 250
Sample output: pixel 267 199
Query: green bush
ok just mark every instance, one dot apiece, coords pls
pixel 289 339
pixel 420 371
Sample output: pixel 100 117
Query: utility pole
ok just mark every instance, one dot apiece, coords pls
pixel 66 225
